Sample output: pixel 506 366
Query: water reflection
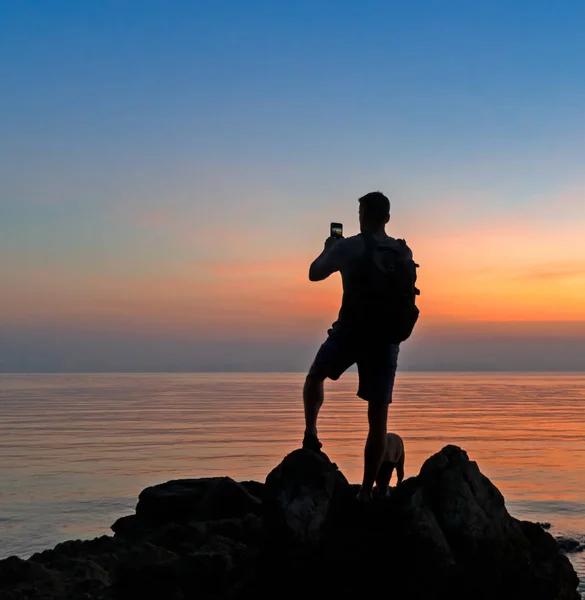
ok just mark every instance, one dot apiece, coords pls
pixel 76 449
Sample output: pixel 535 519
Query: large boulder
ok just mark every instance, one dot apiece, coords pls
pixel 459 523
pixel 298 496
pixel 196 499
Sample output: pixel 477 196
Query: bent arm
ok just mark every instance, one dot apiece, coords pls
pixel 328 262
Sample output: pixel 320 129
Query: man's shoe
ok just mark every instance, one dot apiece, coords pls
pixel 311 442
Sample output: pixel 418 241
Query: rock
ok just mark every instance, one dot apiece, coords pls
pixel 80 569
pixel 107 552
pixel 208 572
pixel 196 499
pixel 254 487
pixel 14 570
pixel 298 495
pixel 544 525
pixel 20 579
pixel 177 537
pixel 569 545
pixel 473 529
pixel 468 507
pixel 444 534
pixel 186 537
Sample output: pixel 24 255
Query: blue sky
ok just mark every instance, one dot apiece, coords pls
pixel 143 142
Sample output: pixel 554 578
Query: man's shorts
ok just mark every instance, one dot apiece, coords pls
pixel 376 363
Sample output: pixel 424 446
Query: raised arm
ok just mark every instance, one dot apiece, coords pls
pixel 328 262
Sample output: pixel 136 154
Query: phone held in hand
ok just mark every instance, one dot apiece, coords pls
pixel 336 230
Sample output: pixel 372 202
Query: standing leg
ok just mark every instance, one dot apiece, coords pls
pixel 312 399
pixel 377 369
pixel 375 446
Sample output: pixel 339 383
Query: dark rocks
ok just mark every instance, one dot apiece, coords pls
pixel 185 537
pixel 207 572
pixel 443 534
pixel 20 579
pixel 545 525
pixel 570 545
pixel 14 570
pixel 201 499
pixel 298 495
pixel 463 519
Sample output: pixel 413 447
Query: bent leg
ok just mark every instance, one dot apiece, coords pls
pixel 334 357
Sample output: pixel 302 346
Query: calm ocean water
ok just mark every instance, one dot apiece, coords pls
pixel 75 450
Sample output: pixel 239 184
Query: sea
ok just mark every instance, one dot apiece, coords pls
pixel 77 449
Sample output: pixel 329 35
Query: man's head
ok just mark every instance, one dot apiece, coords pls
pixel 374 211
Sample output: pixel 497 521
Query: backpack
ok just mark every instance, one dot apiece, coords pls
pixel 384 299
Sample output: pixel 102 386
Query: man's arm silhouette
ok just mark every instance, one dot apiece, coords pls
pixel 328 262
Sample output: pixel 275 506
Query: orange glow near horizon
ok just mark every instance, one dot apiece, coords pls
pixel 481 274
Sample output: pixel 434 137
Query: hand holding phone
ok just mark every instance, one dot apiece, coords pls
pixel 335 234
pixel 336 230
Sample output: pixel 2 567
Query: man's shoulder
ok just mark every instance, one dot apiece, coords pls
pixel 351 245
pixel 355 245
pixel 353 239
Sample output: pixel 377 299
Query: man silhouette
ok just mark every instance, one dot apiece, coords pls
pixel 350 342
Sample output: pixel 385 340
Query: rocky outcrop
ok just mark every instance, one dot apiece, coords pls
pixel 443 534
pixel 570 545
pixel 298 497
pixel 196 499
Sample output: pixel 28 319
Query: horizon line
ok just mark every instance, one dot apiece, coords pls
pixel 274 372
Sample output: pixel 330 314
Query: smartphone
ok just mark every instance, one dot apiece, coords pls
pixel 336 230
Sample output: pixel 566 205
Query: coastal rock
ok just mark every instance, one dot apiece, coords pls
pixel 75 569
pixel 468 528
pixel 570 545
pixel 24 578
pixel 186 537
pixel 207 572
pixel 14 570
pixel 298 495
pixel 196 499
pixel 444 534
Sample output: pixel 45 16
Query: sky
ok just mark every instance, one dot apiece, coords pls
pixel 168 171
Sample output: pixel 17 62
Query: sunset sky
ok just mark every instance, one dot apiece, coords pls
pixel 168 170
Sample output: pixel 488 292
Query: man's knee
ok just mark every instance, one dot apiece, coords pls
pixel 313 379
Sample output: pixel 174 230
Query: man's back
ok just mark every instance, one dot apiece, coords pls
pixel 368 293
pixel 349 251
